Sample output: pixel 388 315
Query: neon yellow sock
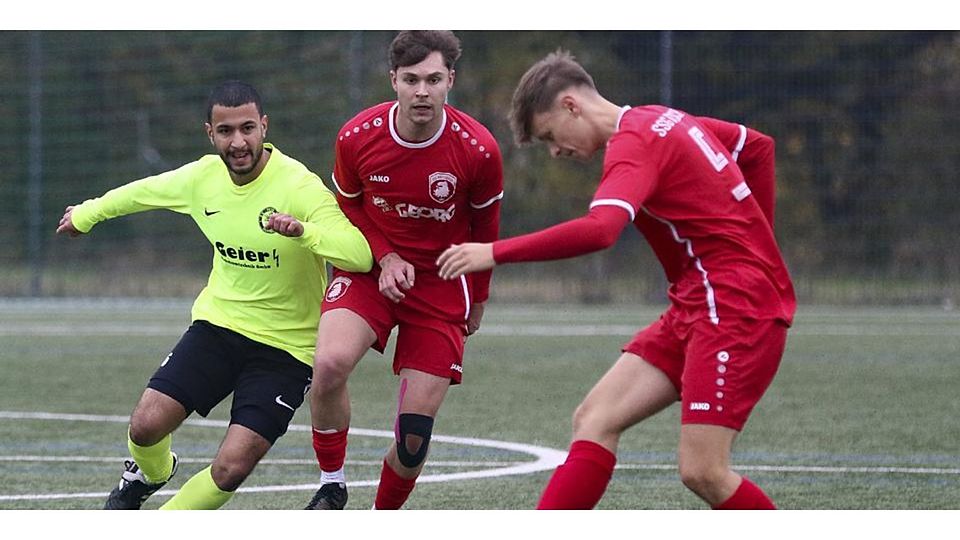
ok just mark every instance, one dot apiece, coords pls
pixel 199 493
pixel 156 462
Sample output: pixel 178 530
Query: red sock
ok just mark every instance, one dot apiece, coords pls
pixel 579 483
pixel 331 449
pixel 747 497
pixel 393 490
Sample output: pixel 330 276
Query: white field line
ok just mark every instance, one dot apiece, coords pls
pixel 546 458
pixel 434 463
pixel 267 461
pixel 559 329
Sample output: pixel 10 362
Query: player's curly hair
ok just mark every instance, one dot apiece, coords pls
pixel 412 46
pixel 538 88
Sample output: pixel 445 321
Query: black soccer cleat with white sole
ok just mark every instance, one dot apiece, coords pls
pixel 329 497
pixel 134 489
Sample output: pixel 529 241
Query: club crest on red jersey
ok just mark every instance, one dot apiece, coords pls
pixel 338 287
pixel 442 186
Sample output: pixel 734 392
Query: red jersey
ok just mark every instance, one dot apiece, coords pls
pixel 679 185
pixel 419 198
pixel 754 154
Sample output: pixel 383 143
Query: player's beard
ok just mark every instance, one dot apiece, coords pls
pixel 255 155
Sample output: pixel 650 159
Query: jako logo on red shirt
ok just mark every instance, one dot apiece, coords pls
pixel 442 186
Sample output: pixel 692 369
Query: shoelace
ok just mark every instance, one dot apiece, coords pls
pixel 132 474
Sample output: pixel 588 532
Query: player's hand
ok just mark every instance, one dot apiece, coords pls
pixel 285 225
pixel 396 276
pixel 473 321
pixel 66 224
pixel 461 259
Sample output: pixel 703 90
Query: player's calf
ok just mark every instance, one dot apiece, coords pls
pixel 413 441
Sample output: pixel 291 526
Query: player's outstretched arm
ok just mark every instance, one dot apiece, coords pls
pixel 597 230
pixel 66 224
pixel 461 259
pixel 396 276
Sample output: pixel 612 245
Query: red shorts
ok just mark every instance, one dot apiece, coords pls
pixel 721 371
pixel 431 320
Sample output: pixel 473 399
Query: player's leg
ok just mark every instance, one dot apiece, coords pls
pixel 704 459
pixel 270 387
pixel 642 382
pixel 420 397
pixel 342 339
pixel 727 371
pixel 211 488
pixel 631 391
pixel 427 360
pixel 175 390
pixel 156 416
pixel 355 317
pixel 149 441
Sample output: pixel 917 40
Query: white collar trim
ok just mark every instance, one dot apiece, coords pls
pixel 623 110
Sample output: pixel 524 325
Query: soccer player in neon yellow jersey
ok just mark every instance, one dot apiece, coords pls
pixel 273 225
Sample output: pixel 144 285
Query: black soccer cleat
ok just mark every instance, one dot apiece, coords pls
pixel 134 489
pixel 329 497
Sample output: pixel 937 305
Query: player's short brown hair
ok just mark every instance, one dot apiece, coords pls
pixel 412 46
pixel 539 87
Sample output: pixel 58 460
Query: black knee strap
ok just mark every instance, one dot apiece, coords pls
pixel 420 426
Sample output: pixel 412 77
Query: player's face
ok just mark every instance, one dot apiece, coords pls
pixel 565 132
pixel 422 90
pixel 238 134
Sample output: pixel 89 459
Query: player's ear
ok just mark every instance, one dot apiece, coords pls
pixel 453 75
pixel 569 104
pixel 393 80
pixel 264 121
pixel 209 129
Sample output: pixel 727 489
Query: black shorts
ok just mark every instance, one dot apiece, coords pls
pixel 209 362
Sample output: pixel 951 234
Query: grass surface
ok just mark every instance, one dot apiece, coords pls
pixel 862 414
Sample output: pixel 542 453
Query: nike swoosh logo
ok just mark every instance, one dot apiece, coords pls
pixel 209 213
pixel 280 402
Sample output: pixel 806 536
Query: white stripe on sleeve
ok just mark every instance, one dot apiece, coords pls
pixel 481 206
pixel 743 140
pixel 342 192
pixel 618 203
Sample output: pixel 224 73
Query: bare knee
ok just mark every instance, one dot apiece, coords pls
pixel 581 417
pixel 592 423
pixel 156 416
pixel 703 478
pixel 228 474
pixel 704 458
pixel 331 368
pixel 143 432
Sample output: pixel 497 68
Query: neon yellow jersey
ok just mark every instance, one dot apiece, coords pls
pixel 263 285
